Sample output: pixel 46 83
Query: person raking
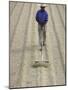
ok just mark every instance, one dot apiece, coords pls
pixel 42 19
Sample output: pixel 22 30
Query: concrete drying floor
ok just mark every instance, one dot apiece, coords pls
pixel 24 46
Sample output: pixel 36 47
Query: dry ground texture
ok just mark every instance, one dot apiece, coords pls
pixel 24 46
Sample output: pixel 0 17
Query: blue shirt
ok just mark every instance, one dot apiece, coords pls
pixel 41 16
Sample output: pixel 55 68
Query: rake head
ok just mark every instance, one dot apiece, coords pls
pixel 40 63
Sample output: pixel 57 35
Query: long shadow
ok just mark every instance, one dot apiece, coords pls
pixel 57 39
pixel 23 49
pixel 14 31
pixel 13 7
pixel 60 16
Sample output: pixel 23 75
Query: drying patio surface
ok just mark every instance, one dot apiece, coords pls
pixel 24 46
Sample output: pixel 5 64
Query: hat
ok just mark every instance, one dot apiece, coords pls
pixel 43 6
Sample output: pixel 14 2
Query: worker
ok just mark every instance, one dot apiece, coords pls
pixel 42 19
